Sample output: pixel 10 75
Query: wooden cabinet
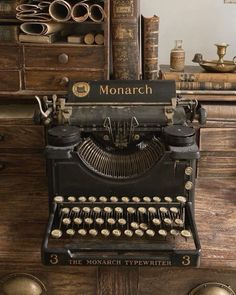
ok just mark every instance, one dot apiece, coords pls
pixel 45 68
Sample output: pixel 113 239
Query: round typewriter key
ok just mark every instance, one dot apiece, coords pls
pixel 122 221
pixel 78 221
pixel 188 185
pixel 108 210
pixel 181 199
pixel 134 225
pixel 70 232
pixel 142 210
pixel 152 210
pixel 156 221
pixel 71 199
pixel 125 199
pixel 88 221
pixel 136 199
pixel 99 221
pixel 65 210
pixel 162 232
pixel 82 232
pixel 174 210
pixel 105 232
pixel 174 232
pixel 128 233
pixel 116 232
pixel 189 171
pixel 186 234
pixel 168 199
pixel 163 210
pixel 131 210
pixel 76 210
pixel 111 221
pixel 56 233
pixel 66 221
pixel 103 199
pixel 86 209
pixel 167 221
pixel 157 199
pixel 179 222
pixel 118 210
pixel 150 233
pixel 139 232
pixel 147 199
pixel 97 209
pixel 82 199
pixel 92 199
pixel 58 199
pixel 113 199
pixel 93 232
pixel 143 226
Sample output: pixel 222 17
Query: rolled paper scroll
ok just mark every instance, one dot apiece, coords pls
pixel 80 12
pixel 60 10
pixel 89 39
pixel 96 13
pixel 34 28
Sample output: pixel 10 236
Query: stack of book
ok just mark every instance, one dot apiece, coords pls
pixel 195 81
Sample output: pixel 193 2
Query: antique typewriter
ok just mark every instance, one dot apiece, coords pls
pixel 121 162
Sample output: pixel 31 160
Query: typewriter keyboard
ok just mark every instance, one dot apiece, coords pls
pixel 120 217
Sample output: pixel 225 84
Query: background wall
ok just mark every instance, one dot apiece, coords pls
pixel 199 23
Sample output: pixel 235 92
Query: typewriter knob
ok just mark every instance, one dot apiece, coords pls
pixel 22 284
pixel 212 289
pixel 63 136
pixel 179 135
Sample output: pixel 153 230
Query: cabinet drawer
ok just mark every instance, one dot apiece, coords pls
pixel 218 139
pixel 9 57
pixel 65 57
pixel 9 80
pixel 22 164
pixel 21 137
pixel 57 80
pixel 217 164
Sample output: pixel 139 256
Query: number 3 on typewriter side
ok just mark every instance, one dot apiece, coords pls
pixel 186 260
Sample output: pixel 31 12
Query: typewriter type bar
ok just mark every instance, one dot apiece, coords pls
pixel 143 232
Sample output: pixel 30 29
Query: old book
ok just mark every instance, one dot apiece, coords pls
pixel 125 25
pixel 150 34
pixel 9 34
pixel 205 85
pixel 195 74
pixel 39 39
pixel 8 8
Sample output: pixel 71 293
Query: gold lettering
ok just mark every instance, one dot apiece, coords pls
pixel 148 89
pixel 103 89
pixel 144 90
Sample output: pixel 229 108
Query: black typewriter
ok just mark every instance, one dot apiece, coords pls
pixel 121 163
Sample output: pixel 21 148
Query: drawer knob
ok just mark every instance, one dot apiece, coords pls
pixel 22 284
pixel 64 81
pixel 2 166
pixel 1 137
pixel 212 289
pixel 63 58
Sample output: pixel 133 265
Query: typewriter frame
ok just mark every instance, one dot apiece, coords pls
pixel 169 112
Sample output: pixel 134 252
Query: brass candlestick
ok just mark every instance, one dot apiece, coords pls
pixel 221 51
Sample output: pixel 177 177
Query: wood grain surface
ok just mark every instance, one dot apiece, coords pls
pixel 218 139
